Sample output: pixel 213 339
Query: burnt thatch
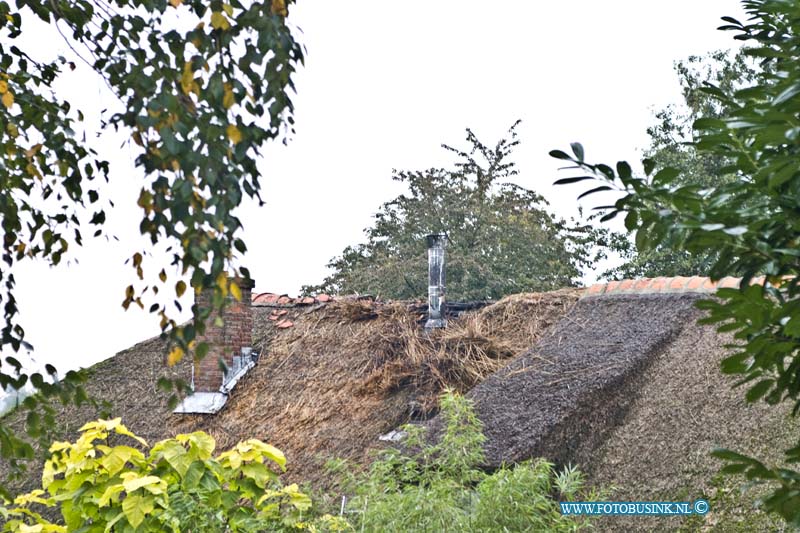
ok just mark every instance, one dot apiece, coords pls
pixel 352 370
pixel 626 386
pixel 330 385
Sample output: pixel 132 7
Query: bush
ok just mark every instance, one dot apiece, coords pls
pixel 177 486
pixel 441 487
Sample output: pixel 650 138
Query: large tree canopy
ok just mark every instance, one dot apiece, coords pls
pixel 202 85
pixel 500 238
pixel 751 224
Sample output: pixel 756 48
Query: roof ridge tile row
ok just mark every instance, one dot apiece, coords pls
pixel 271 298
pixel 677 284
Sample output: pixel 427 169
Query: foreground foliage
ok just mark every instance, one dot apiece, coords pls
pixel 752 224
pixel 177 485
pixel 202 86
pixel 500 238
pixel 671 146
pixel 441 487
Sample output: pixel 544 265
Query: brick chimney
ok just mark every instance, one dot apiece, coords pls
pixel 225 341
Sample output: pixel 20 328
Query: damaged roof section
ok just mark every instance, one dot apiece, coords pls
pixel 561 398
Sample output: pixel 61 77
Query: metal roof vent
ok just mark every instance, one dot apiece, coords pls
pixel 436 281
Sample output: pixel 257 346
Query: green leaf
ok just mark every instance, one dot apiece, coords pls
pixel 649 165
pixel 609 216
pixel 789 93
pixel 757 391
pixel 666 175
pixel 567 181
pixel 792 327
pixel 728 455
pixel 577 149
pixel 624 170
pixel 193 475
pixel 136 507
pixel 736 231
pixel 558 154
pixel 595 190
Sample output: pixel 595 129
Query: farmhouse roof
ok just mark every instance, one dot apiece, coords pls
pixel 617 378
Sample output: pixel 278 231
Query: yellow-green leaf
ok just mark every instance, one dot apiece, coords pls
pixel 279 8
pixel 136 507
pixel 219 21
pixel 227 98
pixel 275 454
pixel 152 484
pixel 187 78
pixel 35 496
pixel 174 356
pixel 8 99
pixel 222 283
pixel 236 291
pixel 110 492
pixel 234 134
pixel 257 472
pixel 180 288
pixel 300 500
pixel 204 443
pixel 33 150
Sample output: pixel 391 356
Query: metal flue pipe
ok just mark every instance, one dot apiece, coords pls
pixel 436 281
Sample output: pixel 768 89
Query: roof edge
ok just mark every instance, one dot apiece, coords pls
pixel 665 285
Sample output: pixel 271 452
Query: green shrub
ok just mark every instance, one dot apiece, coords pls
pixel 178 485
pixel 441 487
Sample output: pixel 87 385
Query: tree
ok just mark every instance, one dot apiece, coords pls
pixel 670 145
pixel 751 223
pixel 177 485
pixel 198 98
pixel 500 238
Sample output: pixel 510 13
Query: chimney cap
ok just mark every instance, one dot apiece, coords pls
pixel 245 283
pixel 435 239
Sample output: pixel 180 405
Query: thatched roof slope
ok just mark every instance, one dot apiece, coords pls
pixel 124 385
pixel 350 371
pixel 628 387
pixel 346 372
pixel 684 408
pixel 562 398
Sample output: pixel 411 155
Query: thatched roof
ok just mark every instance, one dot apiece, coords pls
pixel 684 408
pixel 622 382
pixel 343 374
pixel 561 399
pixel 628 387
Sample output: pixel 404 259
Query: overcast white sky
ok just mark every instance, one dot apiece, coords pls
pixel 385 83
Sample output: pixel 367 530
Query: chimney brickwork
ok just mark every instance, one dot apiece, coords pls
pixel 225 341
